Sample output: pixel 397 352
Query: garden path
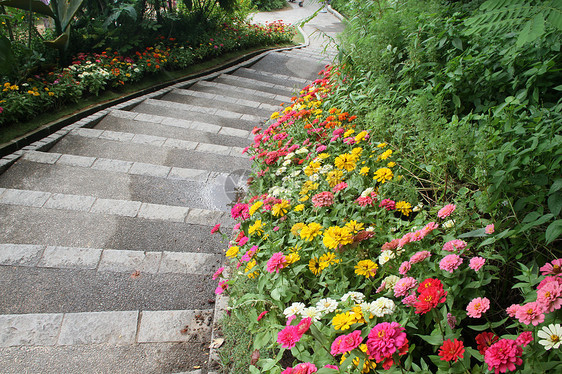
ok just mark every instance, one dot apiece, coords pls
pixel 106 255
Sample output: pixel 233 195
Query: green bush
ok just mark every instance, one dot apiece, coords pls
pixel 268 5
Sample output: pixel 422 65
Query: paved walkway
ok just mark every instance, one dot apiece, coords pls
pixel 105 246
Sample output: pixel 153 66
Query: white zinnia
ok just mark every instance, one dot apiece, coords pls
pixel 551 335
pixel 294 309
pixel 287 162
pixel 357 297
pixel 383 306
pixel 314 177
pixel 386 256
pixel 302 151
pixel 311 312
pixel 390 282
pixel 450 223
pixel 367 192
pixel 327 305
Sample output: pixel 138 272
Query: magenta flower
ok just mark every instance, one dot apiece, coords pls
pixel 346 343
pixel 276 262
pixel 223 286
pixel 550 296
pixel 262 314
pixel 288 337
pixel 216 228
pixel 476 263
pixel 446 211
pixel 321 199
pixel 339 187
pixel 477 307
pixel 385 339
pixel 554 268
pixel 489 229
pixel 454 245
pixel 450 263
pixel 218 273
pixel 503 356
pixel 530 313
pixel 524 338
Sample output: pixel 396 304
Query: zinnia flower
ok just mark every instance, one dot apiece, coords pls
pixel 550 296
pixel 346 343
pixel 366 268
pixel 524 338
pixel 223 285
pixel 276 262
pixel 476 263
pixel 451 350
pixel 419 257
pixel 530 313
pixel 446 211
pixel 485 340
pixel 404 207
pixel 383 175
pixel 345 161
pixel 321 199
pixel 289 336
pixel 477 307
pixel 489 229
pixel 216 228
pixel 336 236
pixel 551 336
pixel 554 267
pixel 404 285
pixel 385 339
pixel 218 273
pixel 454 245
pixel 310 231
pixel 503 356
pixel 450 263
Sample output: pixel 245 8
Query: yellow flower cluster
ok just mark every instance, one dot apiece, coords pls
pixel 336 236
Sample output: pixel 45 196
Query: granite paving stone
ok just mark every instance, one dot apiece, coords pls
pixel 20 254
pixel 99 328
pixel 70 202
pixel 70 258
pixel 163 212
pixel 24 197
pixel 73 160
pixel 130 261
pixel 29 329
pixel 174 325
pixel 116 207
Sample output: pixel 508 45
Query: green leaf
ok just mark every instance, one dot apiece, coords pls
pixel 553 231
pixel 474 233
pixel 275 294
pixel 37 6
pixel 479 327
pixel 59 42
pixel 7 58
pixel 66 10
pixel 557 185
pixel 456 101
pixel 432 339
pixel 555 203
pixel 457 43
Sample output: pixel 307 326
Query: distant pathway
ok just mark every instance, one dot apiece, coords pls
pixel 105 245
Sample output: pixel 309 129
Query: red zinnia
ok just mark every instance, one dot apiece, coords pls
pixel 451 350
pixel 485 340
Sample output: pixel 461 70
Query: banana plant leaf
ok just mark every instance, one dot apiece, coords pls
pixel 36 6
pixel 60 42
pixel 66 10
pixel 7 58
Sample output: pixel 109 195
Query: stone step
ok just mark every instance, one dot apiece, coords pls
pixel 24 224
pixel 64 290
pixel 190 112
pixel 148 183
pixel 131 341
pixel 108 260
pixel 311 53
pixel 168 127
pixel 84 142
pixel 279 67
pixel 112 207
pixel 237 91
pixel 270 78
pixel 147 358
pixel 256 84
pixel 209 100
pixel 308 58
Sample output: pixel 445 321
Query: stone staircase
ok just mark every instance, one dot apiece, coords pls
pixel 106 255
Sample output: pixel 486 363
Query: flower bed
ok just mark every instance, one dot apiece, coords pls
pixel 351 278
pixel 91 73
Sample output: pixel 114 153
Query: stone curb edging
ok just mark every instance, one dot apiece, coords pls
pixel 90 117
pixel 335 12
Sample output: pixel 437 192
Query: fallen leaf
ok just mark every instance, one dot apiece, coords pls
pixel 255 357
pixel 136 274
pixel 184 330
pixel 216 343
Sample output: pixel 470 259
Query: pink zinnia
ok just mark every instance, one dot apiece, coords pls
pixel 345 343
pixel 325 198
pixel 410 300
pixel 419 257
pixel 503 356
pixel 289 336
pixel 550 296
pixel 364 201
pixel 524 338
pixel 223 285
pixel 388 204
pixel 404 268
pixel 321 148
pixel 454 245
pixel 530 313
pixel 384 340
pixel 390 245
pixel 446 211
pixel 547 280
pixel 216 228
pixel 476 263
pixel 477 307
pixel 302 368
pixel 339 187
pixel 512 309
pixel 304 325
pixel 489 229
pixel 276 262
pixel 405 240
pixel 243 240
pixel 450 263
pixel 554 267
pixel 404 285
pixel 430 227
pixel 218 273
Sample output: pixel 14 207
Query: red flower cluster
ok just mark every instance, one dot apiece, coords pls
pixel 451 350
pixel 431 293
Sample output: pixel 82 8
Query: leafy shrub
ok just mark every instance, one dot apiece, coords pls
pixel 268 5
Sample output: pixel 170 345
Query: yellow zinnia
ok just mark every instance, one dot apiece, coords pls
pixel 314 266
pixel 255 207
pixel 404 208
pixel 291 258
pixel 299 208
pixel 310 231
pixel 346 161
pixel 336 236
pixel 354 226
pixel 328 259
pixel 343 321
pixel 334 177
pixel 383 174
pixel 281 208
pixel 257 228
pixel 364 170
pixel 296 229
pixel 232 252
pixel 386 154
pixel 366 268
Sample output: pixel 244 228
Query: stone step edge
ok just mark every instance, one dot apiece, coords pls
pixel 182 123
pixel 249 91
pixel 318 59
pixel 204 110
pixel 276 75
pixel 126 167
pixel 258 83
pixel 160 141
pixel 123 208
pixel 108 327
pixel 108 260
pixel 225 99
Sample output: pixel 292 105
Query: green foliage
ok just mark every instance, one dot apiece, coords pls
pixel 268 5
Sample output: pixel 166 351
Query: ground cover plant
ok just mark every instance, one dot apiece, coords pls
pixel 404 214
